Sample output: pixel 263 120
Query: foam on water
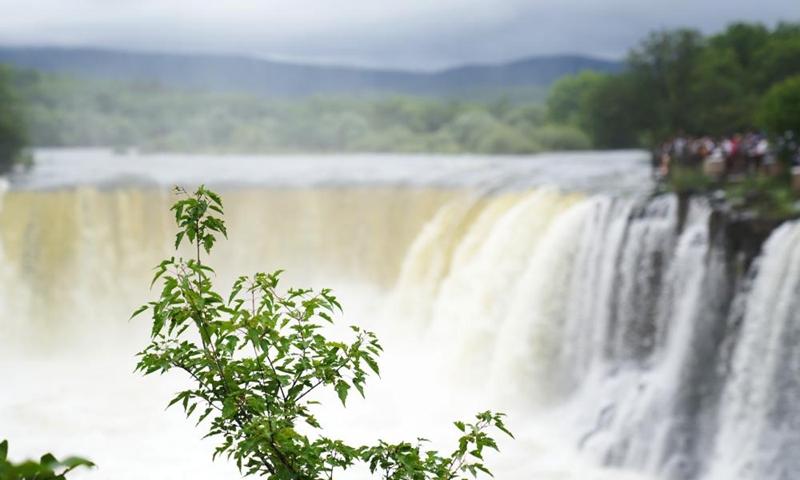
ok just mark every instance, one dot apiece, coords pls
pixel 602 323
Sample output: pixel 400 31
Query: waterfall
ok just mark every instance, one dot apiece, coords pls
pixel 639 356
pixel 612 320
pixel 759 415
pixel 486 269
pixel 618 315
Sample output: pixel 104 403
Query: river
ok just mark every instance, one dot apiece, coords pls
pixel 551 287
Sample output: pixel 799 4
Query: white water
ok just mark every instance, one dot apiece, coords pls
pixel 608 336
pixel 760 421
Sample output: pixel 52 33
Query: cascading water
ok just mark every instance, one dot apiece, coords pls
pixel 617 316
pixel 636 359
pixel 607 325
pixel 759 418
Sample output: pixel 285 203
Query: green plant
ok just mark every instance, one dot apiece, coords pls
pixel 13 132
pixel 561 137
pixel 257 357
pixel 690 180
pixel 766 196
pixel 47 468
pixel 780 109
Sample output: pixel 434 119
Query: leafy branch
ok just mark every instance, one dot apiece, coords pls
pixel 260 355
pixel 48 467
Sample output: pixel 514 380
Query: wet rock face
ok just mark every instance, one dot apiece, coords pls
pixel 740 234
pixel 684 199
pixel 741 237
pixel 746 236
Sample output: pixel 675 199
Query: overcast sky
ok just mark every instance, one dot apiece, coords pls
pixel 416 34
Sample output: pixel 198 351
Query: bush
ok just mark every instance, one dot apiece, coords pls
pixel 469 129
pixel 690 180
pixel 256 356
pixel 561 137
pixel 780 110
pixel 13 137
pixel 47 467
pixel 506 141
pixel 768 197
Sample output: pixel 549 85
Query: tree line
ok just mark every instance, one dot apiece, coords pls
pixel 13 133
pixel 72 112
pixel 680 82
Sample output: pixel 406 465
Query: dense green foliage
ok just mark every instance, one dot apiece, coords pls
pixel 691 181
pixel 67 112
pixel 781 108
pixel 567 98
pixel 259 357
pixel 47 467
pixel 682 83
pixel 764 196
pixel 13 138
pixel 767 197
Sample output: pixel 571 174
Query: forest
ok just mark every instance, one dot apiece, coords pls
pixel 680 82
pixel 148 116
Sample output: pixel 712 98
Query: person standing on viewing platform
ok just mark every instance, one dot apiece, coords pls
pixel 738 155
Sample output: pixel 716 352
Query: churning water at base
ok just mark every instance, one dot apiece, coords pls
pixel 608 327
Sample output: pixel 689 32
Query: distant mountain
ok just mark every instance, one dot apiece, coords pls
pixel 278 79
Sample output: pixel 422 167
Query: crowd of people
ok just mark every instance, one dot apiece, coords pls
pixel 742 154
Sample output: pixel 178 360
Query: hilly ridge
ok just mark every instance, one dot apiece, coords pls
pixel 281 79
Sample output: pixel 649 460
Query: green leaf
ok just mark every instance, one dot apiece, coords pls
pixel 178 398
pixel 73 462
pixel 179 238
pixel 139 310
pixel 503 429
pixel 48 460
pixel 484 469
pixel 208 242
pixel 373 365
pixel 341 389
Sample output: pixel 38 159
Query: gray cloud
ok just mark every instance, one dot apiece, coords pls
pixel 393 33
